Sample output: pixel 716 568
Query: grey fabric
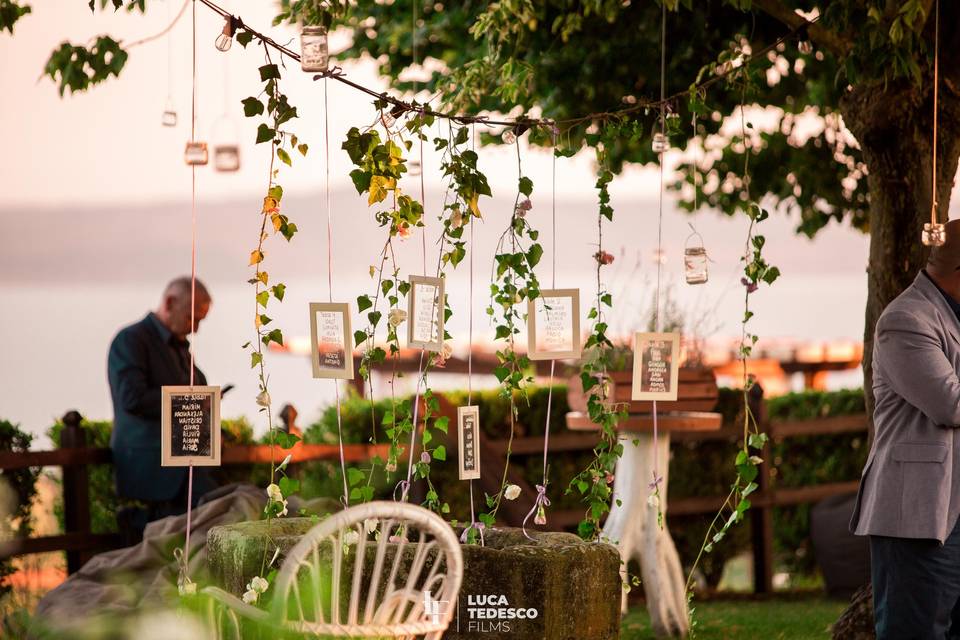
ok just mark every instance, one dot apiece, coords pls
pixel 909 488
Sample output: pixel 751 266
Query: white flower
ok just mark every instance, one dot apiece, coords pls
pixel 351 537
pixel 286 461
pixel 188 589
pixel 654 501
pixel 263 399
pixel 456 219
pixel 259 584
pixel 396 317
pixel 250 596
pixel 446 351
pixel 274 493
pixel 512 492
pixel 391 466
pixel 283 512
pixel 756 460
pixel 370 525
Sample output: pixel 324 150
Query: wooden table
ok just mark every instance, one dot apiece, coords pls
pixel 633 524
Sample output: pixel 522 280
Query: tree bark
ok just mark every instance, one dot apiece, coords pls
pixel 894 126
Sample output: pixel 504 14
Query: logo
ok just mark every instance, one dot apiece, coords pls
pixel 491 613
pixel 431 608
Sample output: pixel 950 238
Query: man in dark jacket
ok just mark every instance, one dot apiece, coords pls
pixel 144 357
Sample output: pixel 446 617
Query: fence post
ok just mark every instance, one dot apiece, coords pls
pixel 761 518
pixel 76 488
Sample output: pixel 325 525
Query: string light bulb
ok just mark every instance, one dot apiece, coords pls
pixel 509 136
pixel 225 39
pixel 389 118
pixel 804 45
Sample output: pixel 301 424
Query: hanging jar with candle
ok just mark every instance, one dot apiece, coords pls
pixel 195 153
pixel 934 234
pixel 169 117
pixel 695 259
pixel 314 53
pixel 226 149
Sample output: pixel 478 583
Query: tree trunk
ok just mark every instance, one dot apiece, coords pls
pixel 893 125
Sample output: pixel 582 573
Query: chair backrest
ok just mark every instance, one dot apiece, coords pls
pixel 377 569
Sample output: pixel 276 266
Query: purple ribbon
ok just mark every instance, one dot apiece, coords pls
pixel 541 502
pixel 404 486
pixel 479 526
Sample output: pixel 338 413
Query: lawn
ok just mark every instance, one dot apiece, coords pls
pixel 743 619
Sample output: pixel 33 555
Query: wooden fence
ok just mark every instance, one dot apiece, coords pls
pixel 79 543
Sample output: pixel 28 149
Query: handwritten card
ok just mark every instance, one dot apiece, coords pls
pixel 190 426
pixel 331 353
pixel 656 366
pixel 425 315
pixel 553 325
pixel 468 431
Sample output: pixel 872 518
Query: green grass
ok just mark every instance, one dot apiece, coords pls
pixel 745 619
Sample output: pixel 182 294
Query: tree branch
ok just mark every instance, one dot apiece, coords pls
pixel 824 37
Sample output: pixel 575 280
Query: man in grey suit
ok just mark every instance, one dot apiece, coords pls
pixel 909 499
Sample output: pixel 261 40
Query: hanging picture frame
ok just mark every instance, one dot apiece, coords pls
pixel 425 313
pixel 190 426
pixel 331 353
pixel 656 366
pixel 468 436
pixel 553 325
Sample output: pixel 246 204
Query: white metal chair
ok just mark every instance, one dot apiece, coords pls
pixel 409 591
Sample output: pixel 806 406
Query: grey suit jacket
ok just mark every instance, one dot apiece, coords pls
pixel 910 486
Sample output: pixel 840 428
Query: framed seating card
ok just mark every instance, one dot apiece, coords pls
pixel 553 325
pixel 190 426
pixel 330 335
pixel 425 315
pixel 656 366
pixel 468 432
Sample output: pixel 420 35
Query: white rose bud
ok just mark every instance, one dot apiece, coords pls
pixel 263 399
pixel 274 493
pixel 286 461
pixel 512 492
pixel 396 317
pixel 250 596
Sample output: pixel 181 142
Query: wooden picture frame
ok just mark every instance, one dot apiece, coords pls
pixel 331 351
pixel 656 366
pixel 425 317
pixel 554 338
pixel 468 442
pixel 183 445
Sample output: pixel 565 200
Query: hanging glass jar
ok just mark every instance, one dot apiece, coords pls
pixel 195 153
pixel 660 143
pixel 226 150
pixel 695 260
pixel 314 54
pixel 169 117
pixel 934 234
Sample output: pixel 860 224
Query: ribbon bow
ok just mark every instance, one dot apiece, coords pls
pixel 184 584
pixel 539 507
pixel 479 526
pixel 404 487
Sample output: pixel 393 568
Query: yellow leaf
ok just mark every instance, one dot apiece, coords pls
pixel 277 222
pixel 256 257
pixel 256 320
pixel 473 205
pixel 379 187
pixel 263 277
pixel 373 270
pixel 269 204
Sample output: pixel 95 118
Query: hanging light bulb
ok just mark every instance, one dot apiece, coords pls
pixel 226 150
pixel 660 143
pixel 805 47
pixel 195 153
pixel 389 118
pixel 225 39
pixel 314 53
pixel 934 234
pixel 509 137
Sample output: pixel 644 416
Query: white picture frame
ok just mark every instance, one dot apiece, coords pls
pixel 424 315
pixel 331 351
pixel 468 442
pixel 553 325
pixel 656 366
pixel 190 426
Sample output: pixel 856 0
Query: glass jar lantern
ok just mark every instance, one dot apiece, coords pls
pixel 695 260
pixel 226 150
pixel 660 143
pixel 314 54
pixel 195 153
pixel 169 117
pixel 934 234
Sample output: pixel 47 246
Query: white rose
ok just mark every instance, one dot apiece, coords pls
pixel 512 492
pixel 446 351
pixel 351 537
pixel 283 512
pixel 286 461
pixel 456 219
pixel 258 584
pixel 370 525
pixel 274 493
pixel 396 317
pixel 250 596
pixel 263 399
pixel 654 501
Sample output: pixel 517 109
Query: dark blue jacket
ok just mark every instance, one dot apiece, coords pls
pixel 144 357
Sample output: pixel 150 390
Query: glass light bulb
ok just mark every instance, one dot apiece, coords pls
pixel 224 42
pixel 509 137
pixel 805 47
pixel 934 234
pixel 387 119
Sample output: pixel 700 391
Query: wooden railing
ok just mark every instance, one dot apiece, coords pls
pixel 79 543
pixel 74 456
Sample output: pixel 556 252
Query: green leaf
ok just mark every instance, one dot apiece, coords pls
pixel 252 107
pixel 440 453
pixel 255 359
pixel 526 186
pixel 269 72
pixel 288 486
pixel 355 476
pixel 264 133
pixel 278 291
pixel 262 298
pixel 534 254
pixel 284 156
pixel 359 337
pixel 243 38
pixel 363 302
